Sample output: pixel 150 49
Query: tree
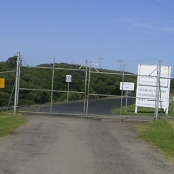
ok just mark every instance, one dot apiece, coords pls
pixel 12 61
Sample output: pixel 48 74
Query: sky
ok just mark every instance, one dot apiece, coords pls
pixel 128 32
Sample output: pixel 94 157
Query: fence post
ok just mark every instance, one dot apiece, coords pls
pixel 157 90
pixel 17 83
pixel 121 107
pixel 52 87
pixel 85 95
pixel 87 103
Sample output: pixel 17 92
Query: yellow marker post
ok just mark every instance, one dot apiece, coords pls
pixel 2 83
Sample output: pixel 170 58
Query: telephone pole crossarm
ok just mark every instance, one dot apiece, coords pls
pixel 121 61
pixel 100 58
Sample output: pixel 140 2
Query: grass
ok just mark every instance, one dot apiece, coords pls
pixel 9 122
pixel 160 133
pixel 142 111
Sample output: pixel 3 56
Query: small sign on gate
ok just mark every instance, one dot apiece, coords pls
pixel 68 78
pixel 127 86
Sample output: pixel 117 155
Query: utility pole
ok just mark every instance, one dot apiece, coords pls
pixel 100 60
pixel 121 61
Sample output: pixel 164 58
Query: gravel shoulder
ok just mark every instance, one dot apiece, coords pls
pixel 55 145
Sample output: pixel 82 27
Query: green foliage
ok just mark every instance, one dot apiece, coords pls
pixel 8 122
pixel 160 133
pixel 4 98
pixel 172 86
pixel 41 78
pixel 12 61
pixel 144 111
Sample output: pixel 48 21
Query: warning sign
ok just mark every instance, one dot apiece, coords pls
pixel 68 78
pixel 2 83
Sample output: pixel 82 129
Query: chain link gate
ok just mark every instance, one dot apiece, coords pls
pixel 63 108
pixel 66 107
pixel 110 100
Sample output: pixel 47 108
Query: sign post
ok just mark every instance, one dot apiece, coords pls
pixel 68 80
pixel 126 86
pixel 126 101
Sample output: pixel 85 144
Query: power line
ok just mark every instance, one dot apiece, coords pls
pixel 162 5
pixel 152 58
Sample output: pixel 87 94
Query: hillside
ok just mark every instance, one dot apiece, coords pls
pixel 40 77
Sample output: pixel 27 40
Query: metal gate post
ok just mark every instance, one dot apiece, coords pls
pixel 121 107
pixel 18 78
pixel 87 102
pixel 85 95
pixel 52 87
pixel 17 83
pixel 157 90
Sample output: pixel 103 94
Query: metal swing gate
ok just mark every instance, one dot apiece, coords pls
pixel 102 104
pixel 63 108
pixel 66 107
pixel 81 107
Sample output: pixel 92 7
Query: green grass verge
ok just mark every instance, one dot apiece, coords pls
pixel 130 110
pixel 9 122
pixel 160 133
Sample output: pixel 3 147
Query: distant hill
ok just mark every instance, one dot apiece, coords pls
pixel 32 78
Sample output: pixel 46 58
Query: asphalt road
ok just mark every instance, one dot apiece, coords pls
pixel 57 145
pixel 97 107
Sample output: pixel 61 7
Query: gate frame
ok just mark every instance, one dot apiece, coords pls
pixel 17 85
pixel 89 80
pixel 86 93
pixel 121 73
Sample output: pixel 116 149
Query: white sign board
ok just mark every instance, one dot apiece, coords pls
pixel 146 86
pixel 68 78
pixel 148 75
pixel 127 86
pixel 146 96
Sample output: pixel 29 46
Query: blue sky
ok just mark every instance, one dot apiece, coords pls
pixel 73 31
